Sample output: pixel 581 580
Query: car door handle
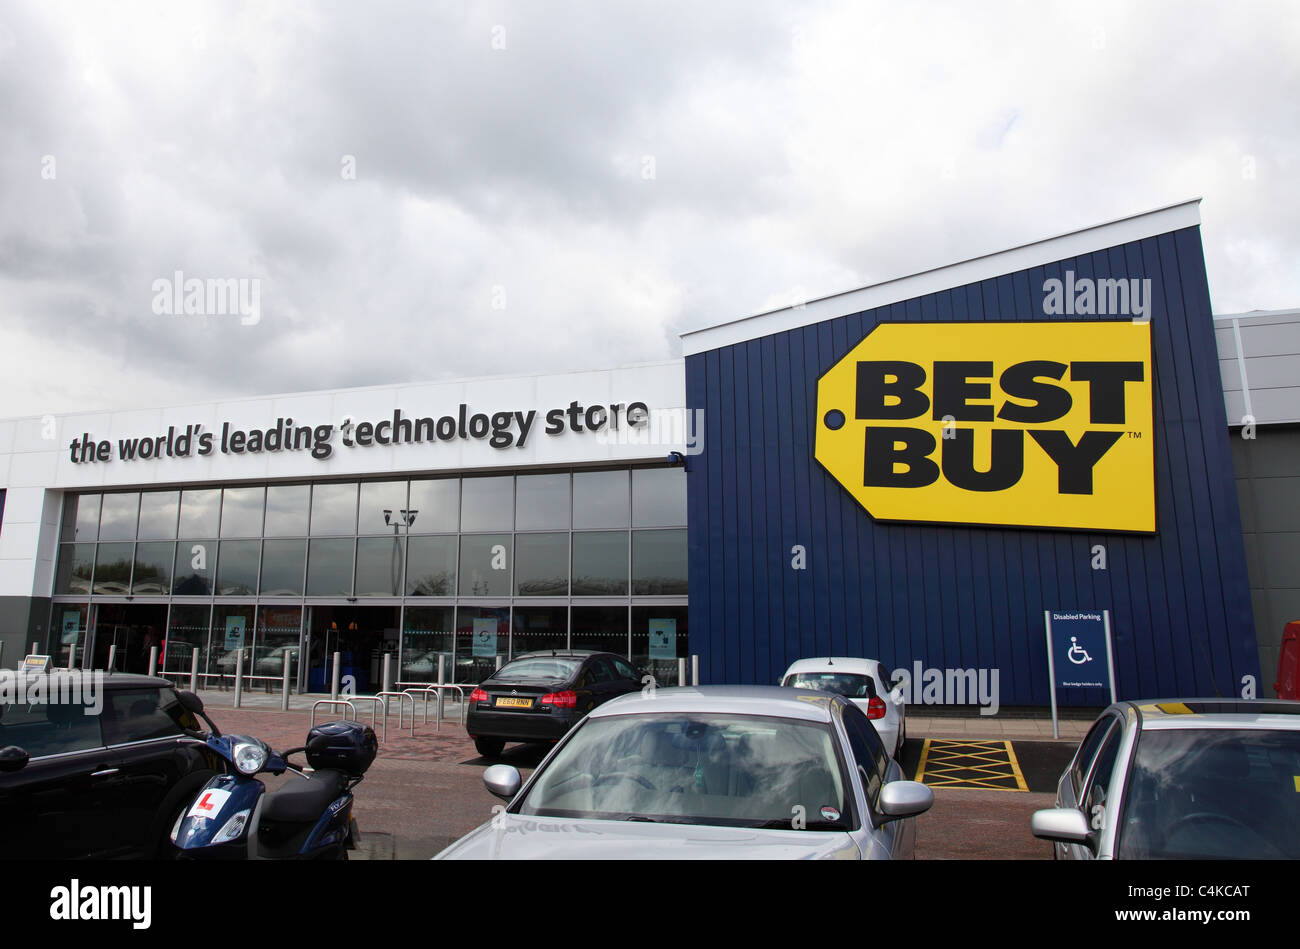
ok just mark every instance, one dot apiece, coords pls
pixel 105 773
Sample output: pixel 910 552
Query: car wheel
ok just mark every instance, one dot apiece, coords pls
pixel 488 747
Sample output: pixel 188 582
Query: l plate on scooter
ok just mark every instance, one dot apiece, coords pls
pixel 209 804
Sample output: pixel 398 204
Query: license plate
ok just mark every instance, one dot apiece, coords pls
pixel 514 703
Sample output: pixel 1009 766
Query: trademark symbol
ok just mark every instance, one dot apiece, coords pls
pixel 1134 434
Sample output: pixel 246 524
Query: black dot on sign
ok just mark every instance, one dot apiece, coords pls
pixel 834 420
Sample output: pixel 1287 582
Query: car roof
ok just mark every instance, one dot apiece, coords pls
pixel 111 680
pixel 834 664
pixel 773 700
pixel 1159 714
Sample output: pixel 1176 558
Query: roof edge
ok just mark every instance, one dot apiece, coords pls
pixel 1021 257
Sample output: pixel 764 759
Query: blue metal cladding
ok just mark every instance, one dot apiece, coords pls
pixel 960 597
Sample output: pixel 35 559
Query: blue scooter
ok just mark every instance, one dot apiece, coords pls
pixel 234 817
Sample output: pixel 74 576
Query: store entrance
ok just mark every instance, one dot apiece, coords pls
pixel 132 628
pixel 361 634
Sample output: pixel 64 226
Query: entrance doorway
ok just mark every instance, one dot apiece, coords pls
pixel 134 629
pixel 361 634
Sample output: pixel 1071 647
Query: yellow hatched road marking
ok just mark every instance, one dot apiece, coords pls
pixel 991 760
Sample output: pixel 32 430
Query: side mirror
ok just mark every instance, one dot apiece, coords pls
pixel 12 759
pixel 905 799
pixel 1062 825
pixel 191 702
pixel 502 780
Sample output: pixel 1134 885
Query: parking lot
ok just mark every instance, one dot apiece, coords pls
pixel 423 793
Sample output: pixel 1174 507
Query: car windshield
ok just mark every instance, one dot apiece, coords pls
pixel 731 770
pixel 538 667
pixel 1213 794
pixel 847 684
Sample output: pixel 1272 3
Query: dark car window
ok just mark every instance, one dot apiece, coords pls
pixel 551 668
pixel 625 670
pixel 868 752
pixel 1221 793
pixel 49 729
pixel 142 714
pixel 1095 800
pixel 599 671
pixel 1087 751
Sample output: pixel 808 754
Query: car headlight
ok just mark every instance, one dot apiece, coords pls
pixel 250 756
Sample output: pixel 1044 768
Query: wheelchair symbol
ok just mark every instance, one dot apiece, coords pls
pixel 1076 649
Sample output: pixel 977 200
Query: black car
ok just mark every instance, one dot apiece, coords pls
pixel 539 696
pixel 104 775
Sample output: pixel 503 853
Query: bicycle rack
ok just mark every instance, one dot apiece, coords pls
pixel 400 709
pixel 435 687
pixel 375 701
pixel 346 705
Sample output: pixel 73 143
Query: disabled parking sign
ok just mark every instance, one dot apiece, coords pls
pixel 1078 652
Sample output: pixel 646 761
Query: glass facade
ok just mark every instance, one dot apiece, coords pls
pixel 467 572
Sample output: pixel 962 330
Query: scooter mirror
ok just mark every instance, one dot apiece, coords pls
pixel 12 759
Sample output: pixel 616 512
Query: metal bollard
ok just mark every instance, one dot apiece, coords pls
pixel 153 660
pixel 442 677
pixel 72 656
pixel 498 663
pixel 239 676
pixel 33 650
pixel 334 682
pixel 695 670
pixel 194 669
pixel 112 657
pixel 387 676
pixel 284 688
pixel 681 670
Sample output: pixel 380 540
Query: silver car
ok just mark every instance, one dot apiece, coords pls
pixel 1181 778
pixel 710 772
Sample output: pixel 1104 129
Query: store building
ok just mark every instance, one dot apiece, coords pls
pixel 914 471
pixel 466 520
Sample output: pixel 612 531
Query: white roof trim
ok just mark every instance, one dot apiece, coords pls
pixel 1098 237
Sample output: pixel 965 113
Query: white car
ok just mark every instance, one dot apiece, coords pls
pixel 866 683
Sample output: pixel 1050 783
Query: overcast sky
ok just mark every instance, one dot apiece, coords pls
pixel 432 191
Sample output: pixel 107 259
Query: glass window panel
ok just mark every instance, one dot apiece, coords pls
pixel 118 516
pixel 658 640
pixel 76 563
pixel 286 510
pixel 602 628
pixel 237 567
pixel 659 497
pixel 232 629
pixel 241 512
pixel 485 565
pixel 600 499
pixel 200 512
pixel 487 504
pixel 80 517
pixel 282 567
pixel 153 569
pixel 334 509
pixel 196 565
pixel 659 563
pixel 277 636
pixel 539 627
pixel 430 632
pixel 187 629
pixel 113 569
pixel 329 567
pixel 437 506
pixel 158 514
pixel 378 497
pixel 379 565
pixel 431 566
pixel 482 634
pixel 542 564
pixel 600 563
pixel 542 502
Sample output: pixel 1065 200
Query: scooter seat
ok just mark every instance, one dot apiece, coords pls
pixel 304 800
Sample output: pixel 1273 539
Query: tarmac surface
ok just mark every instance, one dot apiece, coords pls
pixel 424 792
